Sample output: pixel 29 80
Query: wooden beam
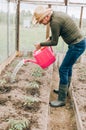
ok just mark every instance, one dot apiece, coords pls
pixel 41 2
pixel 17 25
pixel 6 62
pixel 81 15
pixel 66 2
pixel 77 4
pixel 48 27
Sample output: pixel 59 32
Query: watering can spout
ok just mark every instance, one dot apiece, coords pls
pixel 29 60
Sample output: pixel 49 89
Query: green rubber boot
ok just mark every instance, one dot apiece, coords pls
pixel 61 101
pixel 57 91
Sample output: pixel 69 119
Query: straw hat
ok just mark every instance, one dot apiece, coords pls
pixel 39 13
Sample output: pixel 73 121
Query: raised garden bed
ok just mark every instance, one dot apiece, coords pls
pixel 24 103
pixel 79 93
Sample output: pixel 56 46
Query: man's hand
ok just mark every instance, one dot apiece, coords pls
pixel 37 46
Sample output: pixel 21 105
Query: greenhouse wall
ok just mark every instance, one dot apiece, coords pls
pixel 7 29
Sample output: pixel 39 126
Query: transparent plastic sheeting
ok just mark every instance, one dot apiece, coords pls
pixel 7 29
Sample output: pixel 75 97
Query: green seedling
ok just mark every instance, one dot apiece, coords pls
pixel 38 72
pixel 82 77
pixel 33 85
pixel 29 101
pixel 3 81
pixel 7 74
pixel 19 124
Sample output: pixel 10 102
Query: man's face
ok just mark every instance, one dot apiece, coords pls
pixel 45 20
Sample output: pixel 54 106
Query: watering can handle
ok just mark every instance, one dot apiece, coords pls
pixel 45 47
pixel 42 48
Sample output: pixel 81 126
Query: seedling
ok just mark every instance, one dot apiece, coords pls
pixel 33 85
pixel 29 101
pixel 19 124
pixel 38 72
pixel 2 81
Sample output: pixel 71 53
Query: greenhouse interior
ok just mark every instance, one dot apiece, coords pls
pixel 27 88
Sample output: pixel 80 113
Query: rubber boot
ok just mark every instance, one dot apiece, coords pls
pixel 61 101
pixel 57 91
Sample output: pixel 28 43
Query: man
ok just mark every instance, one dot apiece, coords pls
pixel 61 25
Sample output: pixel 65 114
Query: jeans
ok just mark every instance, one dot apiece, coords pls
pixel 73 53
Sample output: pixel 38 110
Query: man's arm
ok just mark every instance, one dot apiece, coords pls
pixel 55 30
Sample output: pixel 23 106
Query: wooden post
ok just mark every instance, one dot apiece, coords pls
pixel 66 2
pixel 8 29
pixel 80 25
pixel 48 27
pixel 17 24
pixel 81 14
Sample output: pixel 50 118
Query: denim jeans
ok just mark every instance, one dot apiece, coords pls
pixel 73 53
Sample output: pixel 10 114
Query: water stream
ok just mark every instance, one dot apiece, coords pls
pixel 17 68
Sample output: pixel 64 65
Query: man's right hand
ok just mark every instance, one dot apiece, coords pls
pixel 38 46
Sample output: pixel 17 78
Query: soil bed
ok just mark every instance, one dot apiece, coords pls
pixel 79 92
pixel 25 103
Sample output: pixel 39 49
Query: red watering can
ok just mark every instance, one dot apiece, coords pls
pixel 43 57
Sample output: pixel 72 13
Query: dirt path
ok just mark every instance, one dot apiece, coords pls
pixel 60 118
